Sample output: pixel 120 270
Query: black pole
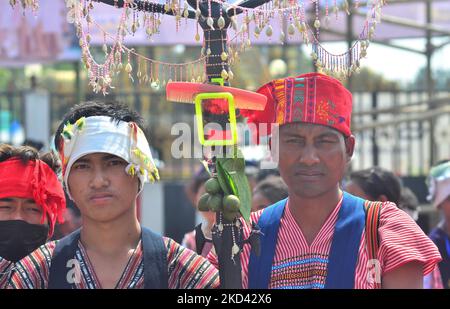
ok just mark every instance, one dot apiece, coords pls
pixel 409 137
pixel 245 4
pixel 215 39
pixel 375 148
pixel 78 91
pixel 215 44
pixel 430 83
pixel 147 7
pixel 350 42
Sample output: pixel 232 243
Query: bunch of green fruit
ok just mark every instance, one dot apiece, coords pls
pixel 215 200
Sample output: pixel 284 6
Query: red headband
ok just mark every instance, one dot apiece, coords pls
pixel 35 180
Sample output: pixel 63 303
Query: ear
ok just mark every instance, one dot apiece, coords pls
pixel 350 146
pixel 382 198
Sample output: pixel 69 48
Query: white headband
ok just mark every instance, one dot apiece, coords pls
pixel 104 134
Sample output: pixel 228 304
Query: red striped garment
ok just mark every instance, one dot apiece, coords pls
pixel 189 242
pixel 298 265
pixel 5 269
pixel 186 269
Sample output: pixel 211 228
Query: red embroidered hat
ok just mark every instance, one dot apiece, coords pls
pixel 310 98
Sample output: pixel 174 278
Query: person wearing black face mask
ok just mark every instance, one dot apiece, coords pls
pixel 31 200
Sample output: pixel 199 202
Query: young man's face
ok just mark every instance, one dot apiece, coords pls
pixel 312 158
pixel 101 188
pixel 16 208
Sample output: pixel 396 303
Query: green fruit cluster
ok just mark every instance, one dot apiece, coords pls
pixel 214 200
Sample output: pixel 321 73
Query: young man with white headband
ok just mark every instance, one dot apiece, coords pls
pixel 106 161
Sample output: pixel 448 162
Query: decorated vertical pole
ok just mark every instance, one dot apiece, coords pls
pixel 228 191
pixel 226 234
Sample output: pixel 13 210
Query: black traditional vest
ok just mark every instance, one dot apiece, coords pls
pixel 155 261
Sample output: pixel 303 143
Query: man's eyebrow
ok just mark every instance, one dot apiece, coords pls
pixel 328 134
pixel 9 199
pixel 292 134
pixel 110 156
pixel 82 160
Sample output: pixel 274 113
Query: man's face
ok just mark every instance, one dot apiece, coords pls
pixel 101 188
pixel 312 158
pixel 25 209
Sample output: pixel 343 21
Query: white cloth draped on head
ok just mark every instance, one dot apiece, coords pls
pixel 439 183
pixel 103 134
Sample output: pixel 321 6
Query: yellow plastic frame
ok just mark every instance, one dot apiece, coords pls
pixel 199 118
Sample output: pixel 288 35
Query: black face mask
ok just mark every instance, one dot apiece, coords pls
pixel 19 238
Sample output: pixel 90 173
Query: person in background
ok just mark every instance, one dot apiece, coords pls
pixel 379 184
pixel 375 184
pixel 197 188
pixel 264 173
pixel 38 145
pixel 72 221
pixel 269 191
pixel 409 203
pixel 439 195
pixel 31 202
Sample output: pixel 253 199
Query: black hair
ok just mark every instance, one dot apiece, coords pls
pixel 377 181
pixel 408 200
pixel 442 162
pixel 115 110
pixel 27 153
pixel 265 173
pixel 273 188
pixel 198 180
pixel 33 143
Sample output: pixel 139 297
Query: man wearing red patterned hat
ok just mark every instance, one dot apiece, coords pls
pixel 321 236
pixel 31 201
